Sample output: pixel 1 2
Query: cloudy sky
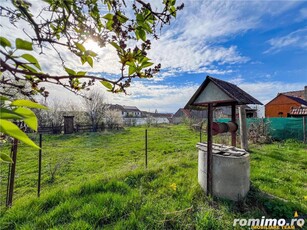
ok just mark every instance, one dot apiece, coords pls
pixel 259 45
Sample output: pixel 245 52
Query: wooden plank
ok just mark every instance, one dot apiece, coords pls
pixel 233 119
pixel 243 128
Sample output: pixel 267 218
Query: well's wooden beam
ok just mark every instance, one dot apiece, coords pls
pixel 233 119
pixel 209 149
pixel 243 128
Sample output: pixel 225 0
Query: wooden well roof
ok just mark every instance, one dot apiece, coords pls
pixel 226 94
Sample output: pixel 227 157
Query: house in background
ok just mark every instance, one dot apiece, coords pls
pixel 133 116
pixel 126 111
pixel 131 111
pixel 167 117
pixel 283 103
pixel 225 112
pixel 299 93
pixel 195 115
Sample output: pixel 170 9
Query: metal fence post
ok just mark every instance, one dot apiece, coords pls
pixel 12 176
pixel 146 146
pixel 304 129
pixel 39 165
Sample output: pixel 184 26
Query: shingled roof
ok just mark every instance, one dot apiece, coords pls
pixel 237 95
pixel 298 93
pixel 297 99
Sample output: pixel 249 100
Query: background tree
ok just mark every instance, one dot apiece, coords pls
pixel 53 117
pixel 95 108
pixel 65 25
pixel 113 118
pixel 73 108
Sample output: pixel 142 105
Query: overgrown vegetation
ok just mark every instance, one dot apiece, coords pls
pixel 104 183
pixel 259 132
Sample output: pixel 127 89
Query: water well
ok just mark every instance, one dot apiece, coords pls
pixel 230 171
pixel 223 171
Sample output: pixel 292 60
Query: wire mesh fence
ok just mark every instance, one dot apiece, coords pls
pixel 78 128
pixel 76 158
pixel 276 128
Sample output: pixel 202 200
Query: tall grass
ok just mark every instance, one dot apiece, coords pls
pixel 102 183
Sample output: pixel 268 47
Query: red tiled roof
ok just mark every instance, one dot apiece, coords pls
pixel 299 111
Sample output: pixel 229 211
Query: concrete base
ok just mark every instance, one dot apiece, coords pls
pixel 230 173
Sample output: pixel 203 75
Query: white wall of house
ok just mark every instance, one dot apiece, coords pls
pixel 144 121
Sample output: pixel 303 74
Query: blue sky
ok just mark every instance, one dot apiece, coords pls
pixel 259 45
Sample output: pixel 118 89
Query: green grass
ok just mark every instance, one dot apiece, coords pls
pixel 101 182
pixel 280 169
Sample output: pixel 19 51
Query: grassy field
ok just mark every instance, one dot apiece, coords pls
pixel 98 180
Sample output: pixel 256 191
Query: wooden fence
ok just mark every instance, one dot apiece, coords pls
pixel 77 129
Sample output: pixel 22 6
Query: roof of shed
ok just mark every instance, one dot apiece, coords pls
pixel 238 96
pixel 299 111
pixel 167 115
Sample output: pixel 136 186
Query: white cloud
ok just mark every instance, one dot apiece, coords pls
pixel 236 80
pixel 266 91
pixel 164 98
pixel 193 43
pixel 297 38
pixel 146 96
pixel 186 53
pixel 50 62
pixel 195 39
pixel 187 56
pixel 303 14
pixel 210 20
pixel 150 96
